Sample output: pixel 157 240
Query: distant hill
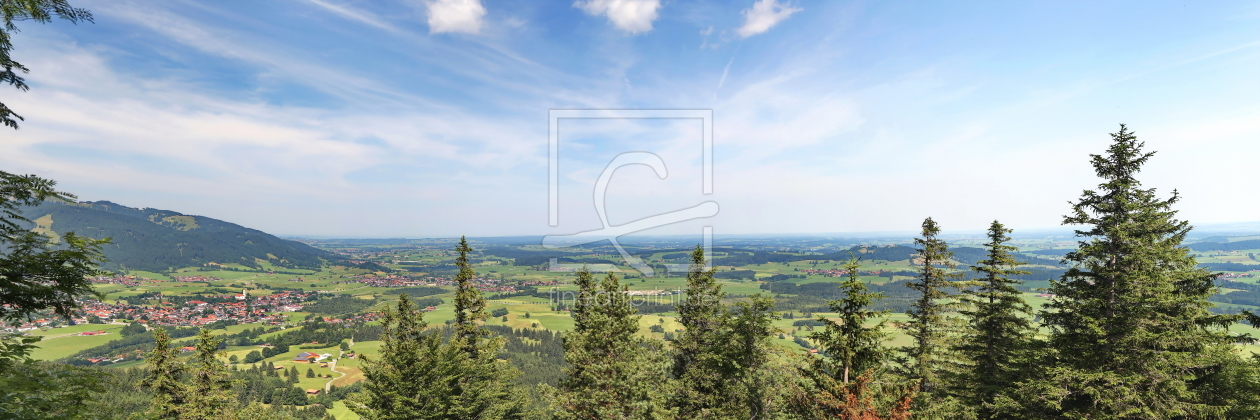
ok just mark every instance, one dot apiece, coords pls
pixel 158 240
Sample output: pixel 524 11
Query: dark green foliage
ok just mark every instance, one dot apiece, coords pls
pixel 36 273
pixel 751 364
pixel 998 347
pixel 209 391
pixel 499 312
pixel 1229 266
pixel 144 239
pixel 164 379
pixel 416 376
pixel 196 389
pixel 421 376
pixel 470 306
pixel 697 357
pixel 416 292
pixel 372 266
pixel 41 11
pixel 38 390
pixel 929 327
pixel 129 344
pixel 613 372
pixel 782 277
pixel 842 384
pixel 1238 297
pixel 851 346
pixel 1225 246
pixel 816 297
pixel 133 329
pixel 735 275
pixel 1131 326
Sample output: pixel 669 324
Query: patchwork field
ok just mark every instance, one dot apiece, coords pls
pixel 514 304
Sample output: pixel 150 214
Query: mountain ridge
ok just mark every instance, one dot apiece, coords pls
pixel 152 239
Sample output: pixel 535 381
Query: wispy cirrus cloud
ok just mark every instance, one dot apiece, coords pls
pixel 339 117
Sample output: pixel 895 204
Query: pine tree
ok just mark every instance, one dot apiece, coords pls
pixel 485 388
pixel 164 379
pixel 841 383
pixel 310 372
pixel 852 347
pixel 697 359
pixel 751 370
pixel 1130 319
pixel 929 327
pixel 209 394
pixel 999 342
pixel 613 372
pixel 470 306
pixel 417 376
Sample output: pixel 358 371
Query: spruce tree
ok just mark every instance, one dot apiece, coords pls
pixel 470 306
pixel 929 355
pixel 486 389
pixel 209 392
pixel 842 382
pixel 417 375
pixel 754 379
pixel 164 379
pixel 852 347
pixel 1130 319
pixel 613 373
pixel 697 357
pixel 998 344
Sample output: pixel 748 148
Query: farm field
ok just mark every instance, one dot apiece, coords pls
pixel 520 297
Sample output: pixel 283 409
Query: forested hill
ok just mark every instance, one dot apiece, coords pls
pixel 157 240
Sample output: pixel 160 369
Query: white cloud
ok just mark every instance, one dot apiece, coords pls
pixel 764 15
pixel 455 16
pixel 633 16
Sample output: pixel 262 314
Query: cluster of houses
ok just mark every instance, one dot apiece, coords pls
pixel 824 272
pixel 839 272
pixel 390 281
pixel 481 283
pixel 129 281
pixel 264 309
pixel 541 283
pixel 28 325
pixel 197 279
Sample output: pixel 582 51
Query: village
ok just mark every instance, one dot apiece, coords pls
pixel 236 309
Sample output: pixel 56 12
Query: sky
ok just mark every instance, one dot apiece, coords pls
pixel 430 118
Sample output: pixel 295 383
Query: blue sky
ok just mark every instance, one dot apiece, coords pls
pixel 430 118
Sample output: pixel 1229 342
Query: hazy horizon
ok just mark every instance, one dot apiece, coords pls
pixel 375 119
